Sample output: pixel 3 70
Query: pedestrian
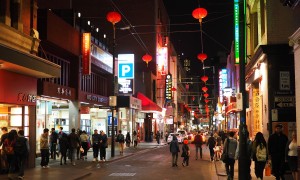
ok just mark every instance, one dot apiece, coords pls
pixel 276 146
pixel 3 159
pixel 60 133
pixel 174 149
pixel 84 138
pixel 103 146
pixel 53 143
pixel 21 149
pixel 248 154
pixel 44 147
pixel 95 144
pixel 134 139
pixel 128 139
pixel 74 143
pixel 230 147
pixel 157 137
pixel 166 136
pixel 78 153
pixel 259 154
pixel 64 146
pixel 9 144
pixel 185 153
pixel 120 139
pixel 292 155
pixel 198 141
pixel 211 143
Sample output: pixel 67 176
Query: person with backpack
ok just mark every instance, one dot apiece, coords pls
pixel 9 144
pixel 120 139
pixel 198 141
pixel 259 154
pixel 231 149
pixel 21 149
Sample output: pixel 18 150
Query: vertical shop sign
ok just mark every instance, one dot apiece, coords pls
pixel 169 88
pixel 256 111
pixel 86 53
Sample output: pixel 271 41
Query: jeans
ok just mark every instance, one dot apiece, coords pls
pixel 230 168
pixel 198 147
pixel 20 163
pixel 45 157
pixel 102 153
pixel 174 158
pixel 212 153
pixel 95 150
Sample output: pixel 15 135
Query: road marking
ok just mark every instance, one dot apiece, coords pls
pixel 122 174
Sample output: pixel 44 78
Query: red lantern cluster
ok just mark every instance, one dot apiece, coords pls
pixel 113 17
pixel 202 57
pixel 204 78
pixel 147 58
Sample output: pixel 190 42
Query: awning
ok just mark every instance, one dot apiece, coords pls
pixel 148 105
pixel 27 64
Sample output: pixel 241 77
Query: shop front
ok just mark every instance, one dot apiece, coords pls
pixel 94 112
pixel 54 108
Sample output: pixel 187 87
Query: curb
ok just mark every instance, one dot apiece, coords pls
pixel 217 171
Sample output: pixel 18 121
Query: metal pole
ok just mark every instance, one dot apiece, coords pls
pixel 243 166
pixel 114 93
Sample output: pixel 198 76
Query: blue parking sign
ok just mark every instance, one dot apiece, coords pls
pixel 126 71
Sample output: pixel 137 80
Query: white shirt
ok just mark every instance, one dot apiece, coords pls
pixel 292 149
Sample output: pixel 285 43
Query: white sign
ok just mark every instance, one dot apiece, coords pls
pixel 284 80
pixel 126 66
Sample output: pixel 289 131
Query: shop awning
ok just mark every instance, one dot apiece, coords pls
pixel 27 64
pixel 147 104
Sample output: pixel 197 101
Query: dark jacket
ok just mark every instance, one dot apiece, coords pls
pixel 74 141
pixel 103 141
pixel 198 140
pixel 211 143
pixel 277 144
pixel 174 146
pixel 63 143
pixel 185 150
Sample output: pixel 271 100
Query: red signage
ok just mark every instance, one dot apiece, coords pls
pixel 86 53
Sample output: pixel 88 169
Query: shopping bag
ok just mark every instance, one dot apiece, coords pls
pixel 268 170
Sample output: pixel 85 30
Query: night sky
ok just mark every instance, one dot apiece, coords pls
pixel 185 30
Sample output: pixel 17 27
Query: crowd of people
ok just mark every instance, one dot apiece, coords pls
pixel 278 152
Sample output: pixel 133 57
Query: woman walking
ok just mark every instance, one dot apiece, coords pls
pixel 128 139
pixel 292 155
pixel 259 154
pixel 84 143
pixel 134 139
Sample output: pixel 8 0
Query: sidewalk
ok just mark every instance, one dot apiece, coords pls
pixel 57 171
pixel 221 172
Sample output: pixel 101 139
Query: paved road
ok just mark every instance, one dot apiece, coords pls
pixel 154 164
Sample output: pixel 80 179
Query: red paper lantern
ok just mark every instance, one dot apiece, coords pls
pixel 113 17
pixel 199 13
pixel 202 57
pixel 204 88
pixel 206 101
pixel 173 89
pixel 205 95
pixel 204 78
pixel 147 58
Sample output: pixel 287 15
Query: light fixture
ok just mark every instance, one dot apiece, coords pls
pixel 79 14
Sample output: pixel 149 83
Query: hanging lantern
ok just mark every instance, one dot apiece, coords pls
pixel 193 98
pixel 205 95
pixel 202 57
pixel 204 88
pixel 173 89
pixel 199 13
pixel 147 58
pixel 113 17
pixel 206 101
pixel 204 78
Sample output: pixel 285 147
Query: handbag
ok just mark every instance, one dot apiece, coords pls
pixel 224 156
pixel 268 169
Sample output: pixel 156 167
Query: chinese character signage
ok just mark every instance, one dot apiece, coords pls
pixel 86 53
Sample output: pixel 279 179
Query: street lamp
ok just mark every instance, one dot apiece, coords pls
pixel 113 17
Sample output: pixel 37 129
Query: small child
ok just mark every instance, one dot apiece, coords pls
pixel 185 153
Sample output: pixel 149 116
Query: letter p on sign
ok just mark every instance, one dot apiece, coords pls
pixel 126 71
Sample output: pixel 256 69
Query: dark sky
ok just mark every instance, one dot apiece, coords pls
pixel 185 30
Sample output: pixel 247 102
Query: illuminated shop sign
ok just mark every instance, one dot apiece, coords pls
pixel 101 58
pixel 125 86
pixel 168 88
pixel 96 98
pixel 86 53
pixel 22 97
pixel 162 60
pixel 222 83
pixel 236 31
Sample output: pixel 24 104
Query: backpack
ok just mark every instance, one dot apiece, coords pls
pixel 120 138
pixel 20 145
pixel 261 153
pixel 9 147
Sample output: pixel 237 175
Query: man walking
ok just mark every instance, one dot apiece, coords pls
pixel 174 149
pixel 198 144
pixel 74 142
pixel 276 147
pixel 95 144
pixel 53 142
pixel 121 140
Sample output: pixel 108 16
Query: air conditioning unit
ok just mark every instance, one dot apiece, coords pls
pixel 112 101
